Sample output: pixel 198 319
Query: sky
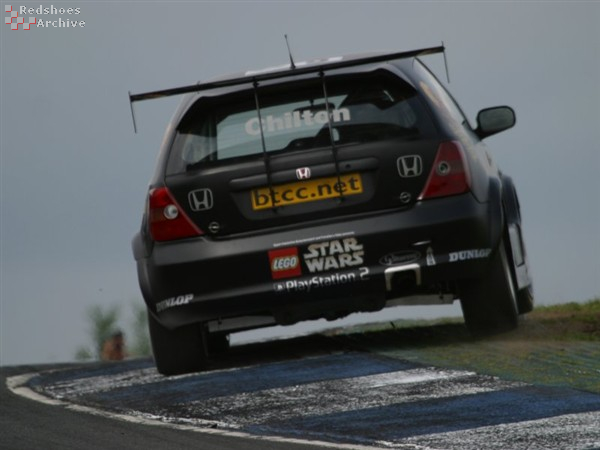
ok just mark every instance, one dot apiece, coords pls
pixel 74 175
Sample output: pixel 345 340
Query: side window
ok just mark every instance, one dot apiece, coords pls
pixel 438 95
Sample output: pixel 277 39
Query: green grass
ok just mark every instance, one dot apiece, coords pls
pixel 555 345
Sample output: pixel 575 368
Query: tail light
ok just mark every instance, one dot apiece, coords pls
pixel 449 174
pixel 166 218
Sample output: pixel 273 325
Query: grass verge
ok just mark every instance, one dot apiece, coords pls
pixel 554 346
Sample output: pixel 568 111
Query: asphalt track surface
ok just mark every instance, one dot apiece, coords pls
pixel 309 393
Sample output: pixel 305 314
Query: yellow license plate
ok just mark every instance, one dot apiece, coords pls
pixel 306 191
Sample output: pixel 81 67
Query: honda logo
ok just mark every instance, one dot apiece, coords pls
pixel 410 166
pixel 201 199
pixel 303 173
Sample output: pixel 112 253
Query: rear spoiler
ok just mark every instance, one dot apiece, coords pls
pixel 293 70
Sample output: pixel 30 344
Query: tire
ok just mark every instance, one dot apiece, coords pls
pixel 525 300
pixel 218 343
pixel 177 351
pixel 489 304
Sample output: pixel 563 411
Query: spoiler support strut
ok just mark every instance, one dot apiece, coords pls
pixel 266 158
pixel 132 113
pixel 331 136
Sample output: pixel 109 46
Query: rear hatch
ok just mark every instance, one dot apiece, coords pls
pixel 326 149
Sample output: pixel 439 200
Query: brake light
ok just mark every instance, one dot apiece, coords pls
pixel 166 218
pixel 449 174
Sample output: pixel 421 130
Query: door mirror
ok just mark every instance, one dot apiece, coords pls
pixel 494 120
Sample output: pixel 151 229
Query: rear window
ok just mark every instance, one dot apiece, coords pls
pixel 294 117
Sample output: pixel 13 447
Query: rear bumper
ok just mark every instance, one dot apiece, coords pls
pixel 326 270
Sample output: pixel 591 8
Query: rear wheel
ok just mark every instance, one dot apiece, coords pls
pixel 524 296
pixel 218 343
pixel 516 251
pixel 489 304
pixel 177 351
pixel 525 300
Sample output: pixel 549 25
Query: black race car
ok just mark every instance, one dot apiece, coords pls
pixel 321 189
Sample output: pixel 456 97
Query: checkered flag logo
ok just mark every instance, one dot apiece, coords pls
pixel 14 20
